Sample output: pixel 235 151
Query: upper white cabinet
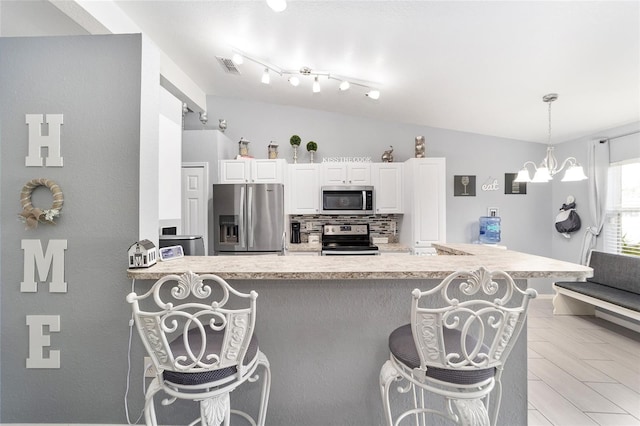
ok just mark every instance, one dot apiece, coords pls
pixel 303 189
pixel 388 183
pixel 346 174
pixel 252 171
pixel 425 202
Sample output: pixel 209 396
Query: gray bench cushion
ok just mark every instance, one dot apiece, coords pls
pixel 402 346
pixel 214 342
pixel 618 297
pixel 616 270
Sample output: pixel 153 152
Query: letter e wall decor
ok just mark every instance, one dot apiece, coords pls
pixel 38 340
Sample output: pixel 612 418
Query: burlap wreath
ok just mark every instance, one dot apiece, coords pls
pixel 33 215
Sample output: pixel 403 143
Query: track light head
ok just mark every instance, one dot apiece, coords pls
pixel 266 79
pixel 237 59
pixel 277 5
pixel 373 94
pixel 316 85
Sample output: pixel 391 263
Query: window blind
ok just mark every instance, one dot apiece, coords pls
pixel 622 222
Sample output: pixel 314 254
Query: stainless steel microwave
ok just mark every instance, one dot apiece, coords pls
pixel 346 199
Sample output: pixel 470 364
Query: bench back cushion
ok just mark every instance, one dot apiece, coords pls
pixel 616 270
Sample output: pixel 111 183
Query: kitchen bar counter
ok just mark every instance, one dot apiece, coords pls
pixel 324 324
pixel 452 257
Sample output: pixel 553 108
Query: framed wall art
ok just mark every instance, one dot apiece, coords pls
pixel 511 187
pixel 464 186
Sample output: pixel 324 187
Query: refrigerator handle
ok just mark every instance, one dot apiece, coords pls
pixel 241 238
pixel 250 215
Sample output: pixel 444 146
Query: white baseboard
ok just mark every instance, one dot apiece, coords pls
pixel 617 320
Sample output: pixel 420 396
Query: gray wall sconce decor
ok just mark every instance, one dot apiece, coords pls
pixel 464 186
pixel 512 187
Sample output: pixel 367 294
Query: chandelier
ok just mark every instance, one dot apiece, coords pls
pixel 548 167
pixel 294 75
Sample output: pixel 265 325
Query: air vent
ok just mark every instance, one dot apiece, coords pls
pixel 228 65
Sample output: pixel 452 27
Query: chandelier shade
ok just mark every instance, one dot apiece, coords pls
pixel 549 166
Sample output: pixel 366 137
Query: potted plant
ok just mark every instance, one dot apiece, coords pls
pixel 295 143
pixel 312 147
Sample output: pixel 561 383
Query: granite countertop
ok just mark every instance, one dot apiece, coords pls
pixel 304 247
pixel 457 257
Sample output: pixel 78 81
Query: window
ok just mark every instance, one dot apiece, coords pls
pixel 622 224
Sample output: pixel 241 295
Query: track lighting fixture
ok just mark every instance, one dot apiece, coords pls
pixel 346 83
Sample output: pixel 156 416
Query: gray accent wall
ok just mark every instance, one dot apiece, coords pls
pixel 95 82
pixel 526 225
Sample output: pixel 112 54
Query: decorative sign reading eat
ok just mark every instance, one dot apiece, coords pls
pixel 492 186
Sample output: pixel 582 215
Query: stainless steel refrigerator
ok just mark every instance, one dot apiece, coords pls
pixel 248 218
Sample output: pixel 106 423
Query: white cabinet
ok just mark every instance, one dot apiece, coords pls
pixel 252 171
pixel 388 183
pixel 303 189
pixel 346 174
pixel 424 219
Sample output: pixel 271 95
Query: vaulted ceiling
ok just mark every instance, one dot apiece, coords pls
pixel 473 66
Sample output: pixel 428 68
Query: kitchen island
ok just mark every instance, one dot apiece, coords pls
pixel 324 323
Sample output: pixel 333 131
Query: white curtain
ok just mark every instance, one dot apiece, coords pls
pixel 597 171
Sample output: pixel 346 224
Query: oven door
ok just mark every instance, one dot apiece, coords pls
pixel 347 200
pixel 349 253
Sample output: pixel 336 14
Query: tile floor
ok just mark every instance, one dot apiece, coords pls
pixel 582 370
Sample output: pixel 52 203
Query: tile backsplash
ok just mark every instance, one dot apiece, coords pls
pixel 379 225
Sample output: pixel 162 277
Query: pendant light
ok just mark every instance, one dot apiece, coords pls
pixel 548 167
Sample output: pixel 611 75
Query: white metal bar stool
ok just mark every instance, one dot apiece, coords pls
pixel 198 331
pixel 456 348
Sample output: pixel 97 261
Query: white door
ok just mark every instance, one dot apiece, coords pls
pixel 195 191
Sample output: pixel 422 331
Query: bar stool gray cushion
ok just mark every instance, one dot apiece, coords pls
pixel 403 347
pixel 214 343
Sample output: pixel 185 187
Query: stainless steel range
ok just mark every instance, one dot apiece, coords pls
pixel 347 240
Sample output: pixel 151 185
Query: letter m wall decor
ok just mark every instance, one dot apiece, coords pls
pixel 46 263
